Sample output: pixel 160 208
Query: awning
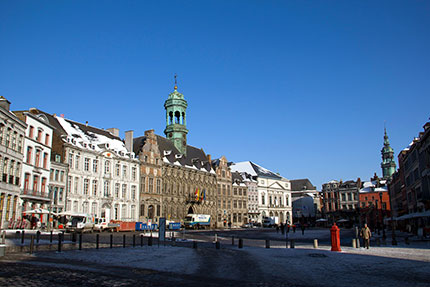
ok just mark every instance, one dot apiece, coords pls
pixel 414 215
pixel 38 211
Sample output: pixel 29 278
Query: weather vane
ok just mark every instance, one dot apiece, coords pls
pixel 176 83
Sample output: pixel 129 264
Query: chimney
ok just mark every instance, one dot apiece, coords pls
pixel 129 141
pixel 86 123
pixel 209 158
pixel 5 104
pixel 114 131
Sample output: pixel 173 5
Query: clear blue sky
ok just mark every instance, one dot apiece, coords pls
pixel 300 87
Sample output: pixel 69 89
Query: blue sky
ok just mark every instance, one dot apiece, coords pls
pixel 300 87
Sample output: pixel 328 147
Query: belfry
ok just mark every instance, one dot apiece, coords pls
pixel 176 125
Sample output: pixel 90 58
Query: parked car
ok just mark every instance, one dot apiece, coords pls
pixel 80 223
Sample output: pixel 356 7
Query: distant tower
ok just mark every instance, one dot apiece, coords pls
pixel 176 125
pixel 388 164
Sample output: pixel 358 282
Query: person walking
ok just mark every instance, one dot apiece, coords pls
pixel 366 234
pixel 303 229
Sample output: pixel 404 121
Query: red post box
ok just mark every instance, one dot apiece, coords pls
pixel 335 238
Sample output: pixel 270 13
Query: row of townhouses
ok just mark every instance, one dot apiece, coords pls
pixel 64 166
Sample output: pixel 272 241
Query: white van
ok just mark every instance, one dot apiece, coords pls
pixel 80 223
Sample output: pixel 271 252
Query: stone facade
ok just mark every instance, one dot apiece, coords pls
pixel 12 133
pixel 224 192
pixel 57 184
pixel 240 200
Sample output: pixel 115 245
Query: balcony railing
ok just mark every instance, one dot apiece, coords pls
pixel 34 193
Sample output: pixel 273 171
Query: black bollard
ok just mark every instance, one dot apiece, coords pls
pixel 31 244
pixel 195 244
pixel 50 236
pixel 217 245
pixel 111 240
pixel 292 245
pixel 22 237
pixel 141 240
pixel 286 242
pixel 150 241
pixel 232 240
pixel 38 236
pixel 60 241
pixel 134 240
pixel 17 235
pixel 267 243
pixel 97 241
pixel 123 241
pixel 240 243
pixel 80 241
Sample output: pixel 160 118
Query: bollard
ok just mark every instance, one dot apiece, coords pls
pixel 60 241
pixel 217 245
pixel 31 244
pixel 3 237
pixel 240 243
pixel 141 240
pixel 195 244
pixel 22 237
pixel 97 241
pixel 50 236
pixel 216 238
pixel 286 242
pixel 354 243
pixel 315 243
pixel 267 243
pixel 111 240
pixel 358 242
pixel 80 241
pixel 150 241
pixel 292 245
pixel 134 240
pixel 123 241
pixel 232 240
pixel 17 235
pixel 38 236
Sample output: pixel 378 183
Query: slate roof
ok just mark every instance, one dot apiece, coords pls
pixel 254 169
pixel 195 157
pixel 301 184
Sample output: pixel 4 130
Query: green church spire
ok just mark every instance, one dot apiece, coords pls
pixel 176 125
pixel 388 164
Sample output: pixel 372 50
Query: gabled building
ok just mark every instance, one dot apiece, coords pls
pixel 187 181
pixel 224 193
pixel 306 199
pixel 12 133
pixel 274 191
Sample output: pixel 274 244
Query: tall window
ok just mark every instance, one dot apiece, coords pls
pixel 94 209
pixel 47 139
pixel 94 187
pixel 42 189
pixel 26 181
pixel 37 159
pixel 133 173
pixel 45 160
pixel 117 169
pixel 106 189
pixel 29 152
pixel 262 200
pixel 71 160
pixel 31 132
pixel 86 164
pixel 107 166
pixel 14 140
pixel 124 171
pixel 39 136
pixel 77 162
pixel 69 184
pixel 76 184
pixel 133 192
pixel 117 186
pixel 142 184
pixel 86 186
pixel 124 191
pixel 151 185
pixel 158 186
pixel 20 144
pixel 35 183
pixel 95 163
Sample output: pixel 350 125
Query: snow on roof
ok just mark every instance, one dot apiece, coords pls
pixel 91 140
pixel 253 169
pixel 370 186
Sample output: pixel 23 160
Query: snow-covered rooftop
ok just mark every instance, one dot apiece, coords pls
pixel 253 169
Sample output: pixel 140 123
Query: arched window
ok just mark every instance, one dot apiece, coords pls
pixel 170 118
pixel 177 117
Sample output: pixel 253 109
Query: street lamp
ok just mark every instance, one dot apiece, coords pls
pixel 382 224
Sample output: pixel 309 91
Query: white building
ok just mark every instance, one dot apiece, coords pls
pixel 274 191
pixel 37 162
pixel 12 132
pixel 103 177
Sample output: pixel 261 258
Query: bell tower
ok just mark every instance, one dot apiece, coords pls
pixel 176 125
pixel 388 164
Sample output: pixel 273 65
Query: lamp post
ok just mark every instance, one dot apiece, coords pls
pixel 381 219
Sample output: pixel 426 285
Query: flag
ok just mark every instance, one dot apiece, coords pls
pixel 197 194
pixel 204 194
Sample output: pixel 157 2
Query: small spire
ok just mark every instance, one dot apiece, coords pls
pixel 176 83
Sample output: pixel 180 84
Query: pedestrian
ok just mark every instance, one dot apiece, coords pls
pixel 366 234
pixel 277 228
pixel 282 228
pixel 288 228
pixel 303 229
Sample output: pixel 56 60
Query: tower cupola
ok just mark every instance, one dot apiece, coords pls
pixel 176 125
pixel 388 164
